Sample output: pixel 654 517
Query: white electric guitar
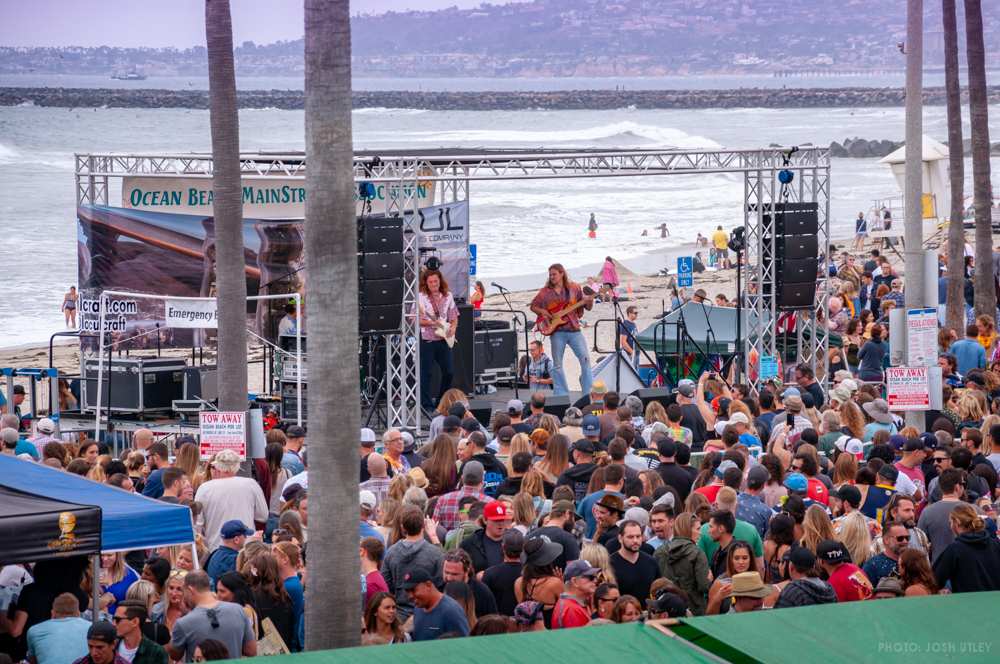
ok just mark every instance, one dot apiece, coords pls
pixel 442 330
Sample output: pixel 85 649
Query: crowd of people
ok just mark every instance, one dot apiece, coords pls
pixel 796 496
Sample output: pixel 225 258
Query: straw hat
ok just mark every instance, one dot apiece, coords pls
pixel 419 477
pixel 749 584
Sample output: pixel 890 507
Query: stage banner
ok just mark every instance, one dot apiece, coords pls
pixel 264 197
pixel 133 250
pixel 199 314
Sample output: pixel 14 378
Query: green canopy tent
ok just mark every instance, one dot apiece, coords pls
pixel 632 642
pixel 936 628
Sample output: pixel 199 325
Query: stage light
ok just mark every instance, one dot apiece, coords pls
pixel 366 191
pixel 785 176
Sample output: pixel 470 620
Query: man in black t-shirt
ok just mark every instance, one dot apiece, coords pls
pixel 672 474
pixel 806 380
pixel 558 527
pixel 693 418
pixel 500 578
pixel 634 570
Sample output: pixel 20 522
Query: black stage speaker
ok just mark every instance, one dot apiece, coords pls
pixel 662 394
pixel 495 349
pixel 375 292
pixel 482 411
pixel 380 319
pixel 380 235
pixel 381 266
pixel 380 274
pixel 796 254
pixel 461 355
pixel 556 405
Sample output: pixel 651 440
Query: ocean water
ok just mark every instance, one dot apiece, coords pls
pixel 519 227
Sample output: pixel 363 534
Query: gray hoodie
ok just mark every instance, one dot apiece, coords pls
pixel 404 556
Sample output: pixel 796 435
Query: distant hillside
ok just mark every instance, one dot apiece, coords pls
pixel 574 37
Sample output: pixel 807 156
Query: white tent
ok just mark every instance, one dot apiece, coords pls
pixel 934 175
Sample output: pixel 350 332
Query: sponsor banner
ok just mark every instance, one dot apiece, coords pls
pixel 139 251
pixel 224 430
pixel 907 388
pixel 199 314
pixel 264 197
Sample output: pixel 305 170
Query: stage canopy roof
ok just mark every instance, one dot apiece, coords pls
pixel 128 521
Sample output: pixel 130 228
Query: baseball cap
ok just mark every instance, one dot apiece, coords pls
pixel 515 406
pixel 840 393
pixel 367 499
pixel 897 441
pixel 563 507
pixel 666 448
pixel 450 423
pixel 832 551
pixel 793 403
pixel 669 603
pixel 512 542
pixel 791 392
pixel 295 431
pixel 739 418
pixel 496 510
pixel 19 389
pixel 913 445
pixel 887 584
pixel 801 557
pixel 930 440
pixel 458 410
pixel 472 472
pixel 45 425
pixel 416 576
pixel 580 567
pixel 234 527
pixel 591 425
pixel 724 466
pixel 102 631
pixel 757 477
pixel 850 445
pixel 408 441
pixel 470 424
pixel 583 445
pixel 686 387
pixel 850 494
pixel 808 401
pixel 598 387
pixel 367 437
pixel 506 434
pixel 795 482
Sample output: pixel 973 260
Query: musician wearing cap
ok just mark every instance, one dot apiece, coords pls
pixel 438 321
pixel 558 306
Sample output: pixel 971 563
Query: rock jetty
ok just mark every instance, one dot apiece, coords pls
pixel 488 101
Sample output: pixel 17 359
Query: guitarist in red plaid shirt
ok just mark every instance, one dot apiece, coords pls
pixel 558 305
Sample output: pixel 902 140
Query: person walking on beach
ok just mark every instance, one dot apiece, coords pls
pixel 592 227
pixel 70 302
pixel 558 294
pixel 609 279
pixel 720 240
pixel 860 231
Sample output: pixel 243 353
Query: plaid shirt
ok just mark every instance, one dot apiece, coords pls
pixel 446 510
pixel 377 485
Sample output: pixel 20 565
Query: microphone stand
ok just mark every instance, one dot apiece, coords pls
pixel 513 319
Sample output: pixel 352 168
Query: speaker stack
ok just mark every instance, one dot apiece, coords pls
pixel 380 274
pixel 796 254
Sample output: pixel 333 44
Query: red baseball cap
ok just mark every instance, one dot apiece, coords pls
pixel 496 511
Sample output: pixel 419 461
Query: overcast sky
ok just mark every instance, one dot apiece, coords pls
pixel 159 23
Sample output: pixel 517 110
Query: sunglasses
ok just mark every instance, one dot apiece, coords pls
pixel 118 619
pixel 940 459
pixel 902 538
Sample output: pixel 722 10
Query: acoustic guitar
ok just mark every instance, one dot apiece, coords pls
pixel 558 318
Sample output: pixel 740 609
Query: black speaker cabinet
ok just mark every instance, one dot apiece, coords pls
pixel 380 235
pixel 380 319
pixel 795 247
pixel 796 218
pixel 796 295
pixel 662 394
pixel 495 349
pixel 556 405
pixel 481 410
pixel 381 266
pixel 797 270
pixel 375 292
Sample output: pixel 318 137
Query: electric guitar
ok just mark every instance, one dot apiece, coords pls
pixel 558 318
pixel 442 330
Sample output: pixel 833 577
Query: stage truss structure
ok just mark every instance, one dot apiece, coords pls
pixel 453 171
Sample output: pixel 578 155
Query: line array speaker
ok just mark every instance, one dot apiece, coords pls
pixel 796 254
pixel 380 274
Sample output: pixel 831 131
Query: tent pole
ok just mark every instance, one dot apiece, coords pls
pixel 95 587
pixel 194 556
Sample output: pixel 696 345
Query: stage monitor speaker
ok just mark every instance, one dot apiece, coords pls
pixel 463 352
pixel 796 295
pixel 557 405
pixel 661 394
pixel 482 410
pixel 380 319
pixel 375 292
pixel 380 235
pixel 381 266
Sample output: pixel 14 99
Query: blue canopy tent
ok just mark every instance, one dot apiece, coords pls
pixel 128 521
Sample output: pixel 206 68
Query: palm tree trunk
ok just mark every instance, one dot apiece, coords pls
pixel 985 298
pixel 955 309
pixel 227 205
pixel 332 594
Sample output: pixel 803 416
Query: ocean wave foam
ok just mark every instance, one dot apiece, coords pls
pixel 626 133
pixel 382 110
pixel 7 154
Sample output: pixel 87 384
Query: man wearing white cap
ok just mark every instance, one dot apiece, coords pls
pixel 45 434
pixel 226 497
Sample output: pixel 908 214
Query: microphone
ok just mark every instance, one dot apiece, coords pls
pixel 497 286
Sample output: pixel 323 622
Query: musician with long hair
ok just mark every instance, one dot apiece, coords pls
pixel 558 306
pixel 438 321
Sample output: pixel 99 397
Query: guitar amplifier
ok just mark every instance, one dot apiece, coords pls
pixel 495 349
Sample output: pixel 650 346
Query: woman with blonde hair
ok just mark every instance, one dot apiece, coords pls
pixel 598 557
pixel 698 505
pixel 655 412
pixel 204 475
pixel 388 513
pixel 970 563
pixel 853 532
pixel 188 459
pixel 524 512
pixel 556 459
pixel 116 578
pixel 172 605
pixel 852 418
pixel 521 442
pixel 398 486
pixel 550 423
pixel 439 467
pixel 845 468
pixel 533 483
pixel 970 409
pixel 651 481
pixel 816 527
pixel 987 447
